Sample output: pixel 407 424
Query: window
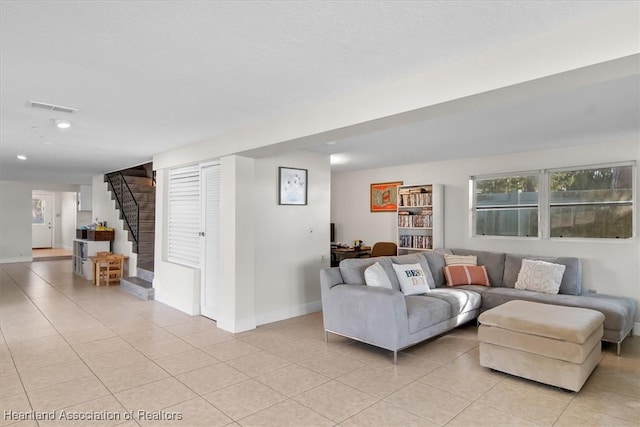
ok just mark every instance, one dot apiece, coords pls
pixel 594 202
pixel 183 234
pixel 37 211
pixel 506 205
pixel 588 202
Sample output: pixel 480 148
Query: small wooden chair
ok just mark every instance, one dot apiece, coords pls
pixel 111 270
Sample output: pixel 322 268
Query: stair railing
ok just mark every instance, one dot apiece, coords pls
pixel 127 204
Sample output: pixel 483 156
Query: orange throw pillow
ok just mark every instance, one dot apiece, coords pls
pixel 466 275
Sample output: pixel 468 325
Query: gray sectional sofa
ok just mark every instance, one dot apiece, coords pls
pixel 388 319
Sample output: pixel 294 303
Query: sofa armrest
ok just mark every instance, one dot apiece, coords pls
pixel 374 315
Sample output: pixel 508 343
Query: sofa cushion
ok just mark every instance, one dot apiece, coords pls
pixel 493 262
pixel 450 259
pixel 571 280
pixel 619 312
pixel 416 259
pixel 457 275
pixel 540 276
pixel 460 300
pixel 376 276
pixel 412 278
pixel 352 270
pixel 424 311
pixel 435 259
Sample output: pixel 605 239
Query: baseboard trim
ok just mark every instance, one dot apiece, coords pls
pixel 636 329
pixel 289 312
pixel 17 259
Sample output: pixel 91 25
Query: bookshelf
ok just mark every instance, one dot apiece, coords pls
pixel 420 218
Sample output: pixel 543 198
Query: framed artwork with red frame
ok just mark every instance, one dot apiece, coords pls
pixel 384 196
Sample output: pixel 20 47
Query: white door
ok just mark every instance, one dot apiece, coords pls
pixel 41 220
pixel 210 247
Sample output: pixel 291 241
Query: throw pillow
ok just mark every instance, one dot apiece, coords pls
pixel 460 259
pixel 376 276
pixel 466 275
pixel 540 276
pixel 412 279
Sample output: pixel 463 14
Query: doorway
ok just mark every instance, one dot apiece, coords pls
pixel 42 207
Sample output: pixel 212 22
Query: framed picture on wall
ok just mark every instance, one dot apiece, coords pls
pixel 384 196
pixel 292 186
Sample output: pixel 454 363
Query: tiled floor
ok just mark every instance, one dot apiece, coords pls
pixel 82 351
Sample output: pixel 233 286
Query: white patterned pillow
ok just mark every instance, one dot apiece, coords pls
pixel 412 279
pixel 375 275
pixel 460 259
pixel 540 276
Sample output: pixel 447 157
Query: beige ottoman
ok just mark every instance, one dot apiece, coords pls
pixel 551 344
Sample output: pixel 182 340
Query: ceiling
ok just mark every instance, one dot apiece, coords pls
pixel 148 77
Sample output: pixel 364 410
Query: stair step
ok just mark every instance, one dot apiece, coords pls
pixel 141 288
pixel 139 180
pixel 145 272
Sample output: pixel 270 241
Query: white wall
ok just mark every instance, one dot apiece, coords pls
pixel 68 211
pixel 290 240
pixel 608 267
pixel 104 209
pixel 15 217
pixel 271 260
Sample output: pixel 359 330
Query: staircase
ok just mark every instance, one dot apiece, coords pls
pixel 134 191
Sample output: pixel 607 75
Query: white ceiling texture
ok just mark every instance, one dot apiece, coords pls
pixel 147 77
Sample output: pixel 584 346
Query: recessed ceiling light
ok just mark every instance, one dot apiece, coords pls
pixel 62 124
pixel 331 143
pixel 22 157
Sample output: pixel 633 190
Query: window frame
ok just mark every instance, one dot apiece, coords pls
pixel 544 202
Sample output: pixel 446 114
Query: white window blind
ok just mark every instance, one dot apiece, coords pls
pixel 184 216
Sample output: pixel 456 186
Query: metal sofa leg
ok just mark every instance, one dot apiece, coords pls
pixel 395 357
pixel 326 336
pixel 619 345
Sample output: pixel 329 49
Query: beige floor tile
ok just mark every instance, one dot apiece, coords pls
pixel 287 413
pixel 244 399
pixel 7 366
pixel 364 352
pixel 606 403
pixel 142 338
pixel 12 336
pixel 191 327
pixel 207 338
pixel 335 400
pixel 479 415
pixel 292 380
pixel 228 350
pixel 155 396
pixel 615 379
pixel 54 374
pixel 193 413
pixel 38 345
pixel 265 339
pixel 384 414
pixel 11 407
pixel 129 326
pixel 331 364
pixel 107 362
pixel 160 350
pixel 467 383
pixel 532 401
pixel 66 394
pixel 258 363
pixel 375 381
pixel 85 335
pixel 437 353
pixel 131 376
pixel 211 378
pixel 429 402
pixel 104 346
pixel 185 362
pixel 298 350
pixel 104 412
pixel 45 358
pixel 10 385
pixel 413 367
